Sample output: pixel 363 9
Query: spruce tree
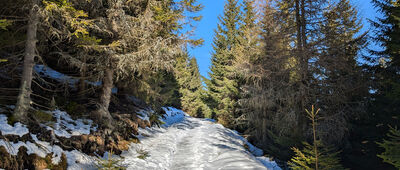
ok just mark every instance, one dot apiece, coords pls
pixel 385 70
pixel 391 153
pixel 315 156
pixel 342 85
pixel 223 86
pixel 191 88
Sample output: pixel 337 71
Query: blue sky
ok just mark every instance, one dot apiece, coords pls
pixel 214 8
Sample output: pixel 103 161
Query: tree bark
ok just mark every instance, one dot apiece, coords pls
pixel 23 100
pixel 102 115
pixel 82 79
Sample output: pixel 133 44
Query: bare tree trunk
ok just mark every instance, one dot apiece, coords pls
pixel 102 115
pixel 82 83
pixel 105 97
pixel 23 101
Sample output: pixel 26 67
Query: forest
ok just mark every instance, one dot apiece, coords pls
pixel 296 78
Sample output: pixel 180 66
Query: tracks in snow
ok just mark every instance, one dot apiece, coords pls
pixel 191 144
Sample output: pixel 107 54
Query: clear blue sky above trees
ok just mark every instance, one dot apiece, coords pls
pixel 213 8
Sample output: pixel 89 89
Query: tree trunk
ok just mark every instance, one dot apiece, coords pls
pixel 23 100
pixel 102 115
pixel 82 79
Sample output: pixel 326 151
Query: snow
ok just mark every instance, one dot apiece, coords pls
pixel 50 73
pixel 172 115
pixel 66 127
pixel 184 142
pixel 62 78
pixel 6 129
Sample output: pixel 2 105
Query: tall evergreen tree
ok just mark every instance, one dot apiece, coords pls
pixel 385 106
pixel 191 87
pixel 223 86
pixel 392 148
pixel 342 86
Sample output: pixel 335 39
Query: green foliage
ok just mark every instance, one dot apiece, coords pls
pixel 223 85
pixel 316 156
pixel 190 86
pixel 75 19
pixel 75 109
pixel 391 145
pixel 155 120
pixel 305 159
pixel 143 154
pixel 42 116
pixel 4 24
pixel 110 163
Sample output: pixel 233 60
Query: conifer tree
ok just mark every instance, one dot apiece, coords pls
pixel 385 70
pixel 342 85
pixel 315 156
pixel 223 86
pixel 391 154
pixel 137 37
pixel 387 65
pixel 43 14
pixel 191 88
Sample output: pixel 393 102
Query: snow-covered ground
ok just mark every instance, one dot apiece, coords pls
pixel 185 142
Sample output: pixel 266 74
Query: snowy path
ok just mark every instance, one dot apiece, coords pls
pixel 192 143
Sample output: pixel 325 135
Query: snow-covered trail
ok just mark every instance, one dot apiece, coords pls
pixel 191 143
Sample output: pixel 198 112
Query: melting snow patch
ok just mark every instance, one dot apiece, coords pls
pixel 50 73
pixel 67 127
pixel 6 129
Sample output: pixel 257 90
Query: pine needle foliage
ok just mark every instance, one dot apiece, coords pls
pixel 391 146
pixel 4 24
pixel 315 156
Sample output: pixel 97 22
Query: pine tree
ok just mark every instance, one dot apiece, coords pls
pixel 136 37
pixel 391 154
pixel 315 156
pixel 342 85
pixel 223 87
pixel 41 17
pixel 385 70
pixel 191 87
